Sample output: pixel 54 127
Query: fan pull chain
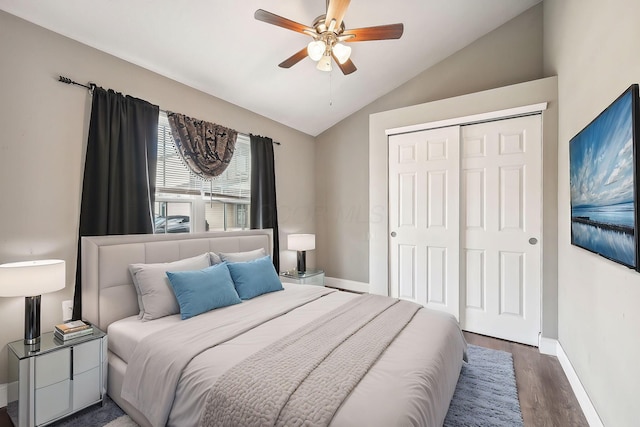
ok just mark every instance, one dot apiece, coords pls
pixel 330 90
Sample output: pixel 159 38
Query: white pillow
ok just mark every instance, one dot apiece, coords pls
pixel 243 256
pixel 215 258
pixel 155 295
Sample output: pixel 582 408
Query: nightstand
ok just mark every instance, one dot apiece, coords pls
pixel 53 379
pixel 309 277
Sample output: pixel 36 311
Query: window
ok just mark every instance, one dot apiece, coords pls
pixel 184 203
pixel 172 217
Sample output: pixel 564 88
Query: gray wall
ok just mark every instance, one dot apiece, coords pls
pixel 44 127
pixel 510 54
pixel 592 46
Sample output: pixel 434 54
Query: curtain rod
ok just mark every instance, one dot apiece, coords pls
pixel 68 81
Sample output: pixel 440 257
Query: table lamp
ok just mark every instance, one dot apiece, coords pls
pixel 30 279
pixel 301 243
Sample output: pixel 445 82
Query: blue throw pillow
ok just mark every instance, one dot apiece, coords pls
pixel 253 278
pixel 199 291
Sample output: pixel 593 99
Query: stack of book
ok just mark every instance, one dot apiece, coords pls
pixel 74 329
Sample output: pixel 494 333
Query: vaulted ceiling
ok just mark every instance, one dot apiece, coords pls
pixel 218 47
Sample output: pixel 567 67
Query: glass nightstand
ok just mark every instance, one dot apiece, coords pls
pixel 309 277
pixel 54 379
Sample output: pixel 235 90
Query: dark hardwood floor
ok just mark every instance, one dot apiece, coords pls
pixel 546 398
pixel 4 418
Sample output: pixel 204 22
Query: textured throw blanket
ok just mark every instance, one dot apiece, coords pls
pixel 303 378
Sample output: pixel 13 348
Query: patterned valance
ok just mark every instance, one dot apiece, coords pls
pixel 206 148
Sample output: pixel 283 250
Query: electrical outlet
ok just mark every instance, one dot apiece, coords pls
pixel 67 310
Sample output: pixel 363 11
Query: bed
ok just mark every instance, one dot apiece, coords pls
pixel 183 372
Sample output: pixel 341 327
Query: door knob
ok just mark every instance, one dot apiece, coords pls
pixel 533 241
pixel 393 234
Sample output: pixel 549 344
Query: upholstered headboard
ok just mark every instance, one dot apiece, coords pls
pixel 108 293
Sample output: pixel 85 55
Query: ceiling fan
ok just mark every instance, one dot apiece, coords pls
pixel 328 32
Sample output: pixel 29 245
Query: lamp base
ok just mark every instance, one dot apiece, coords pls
pixel 302 261
pixel 32 320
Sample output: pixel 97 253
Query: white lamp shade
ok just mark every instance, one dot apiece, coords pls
pixel 342 52
pixel 324 64
pixel 316 49
pixel 301 242
pixel 31 278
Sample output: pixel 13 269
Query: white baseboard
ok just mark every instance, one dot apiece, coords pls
pixel 548 346
pixel 347 285
pixel 3 395
pixel 588 409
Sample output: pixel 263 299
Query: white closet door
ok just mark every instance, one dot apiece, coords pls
pixel 424 173
pixel 501 228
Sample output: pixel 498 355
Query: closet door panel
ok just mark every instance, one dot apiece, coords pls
pixel 424 212
pixel 503 181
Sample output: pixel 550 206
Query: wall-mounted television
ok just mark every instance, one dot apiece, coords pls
pixel 604 180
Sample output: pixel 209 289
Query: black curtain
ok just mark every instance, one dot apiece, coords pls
pixel 264 213
pixel 120 171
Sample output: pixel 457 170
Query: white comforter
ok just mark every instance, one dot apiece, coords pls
pixel 411 384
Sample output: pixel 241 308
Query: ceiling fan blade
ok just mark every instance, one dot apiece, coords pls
pixel 294 59
pixel 271 18
pixel 336 10
pixel 346 68
pixel 383 32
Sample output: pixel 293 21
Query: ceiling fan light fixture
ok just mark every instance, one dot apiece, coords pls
pixel 342 52
pixel 324 64
pixel 316 49
pixel 328 32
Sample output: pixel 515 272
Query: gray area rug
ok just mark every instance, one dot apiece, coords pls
pixel 108 415
pixel 486 395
